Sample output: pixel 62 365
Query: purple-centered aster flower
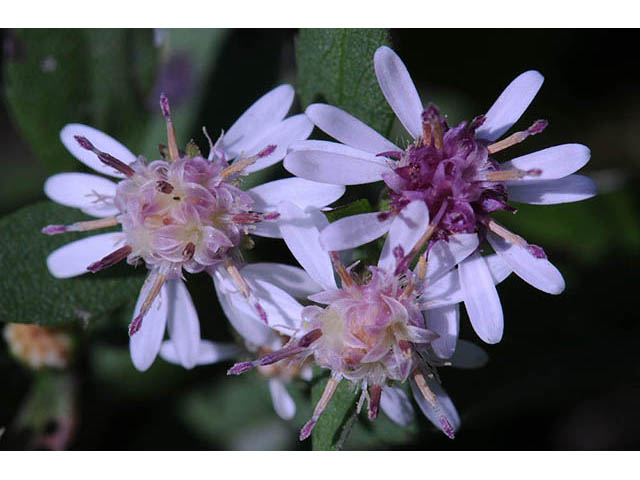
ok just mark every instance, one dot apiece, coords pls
pixel 383 326
pixel 184 212
pixel 452 170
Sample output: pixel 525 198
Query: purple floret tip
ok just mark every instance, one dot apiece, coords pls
pixel 239 368
pixel 537 127
pixel 164 105
pixel 536 251
pixel 447 428
pixel 54 229
pixel 135 325
pixel 265 152
pixel 307 429
pixel 84 142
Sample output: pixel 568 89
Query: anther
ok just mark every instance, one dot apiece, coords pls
pixel 111 259
pixel 189 251
pixel 374 401
pixel 164 187
pixel 513 139
pixel 104 157
pixel 329 390
pixel 340 269
pixel 174 154
pixel 431 117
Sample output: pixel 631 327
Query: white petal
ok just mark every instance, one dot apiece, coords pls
pixel 510 105
pixel 208 352
pixel 572 188
pixel 469 355
pixel 396 405
pixel 444 291
pixel 353 231
pixel 267 111
pixel 301 232
pixel 555 162
pixel 293 280
pixel 104 211
pixel 182 323
pixel 445 321
pixel 348 129
pixel 446 407
pixel 269 229
pixel 101 141
pixel 498 267
pixel 303 193
pixel 144 345
pixel 445 254
pixel 283 404
pixel 80 190
pixel 74 258
pixel 334 163
pixel 282 135
pixel 399 90
pixel 538 272
pixel 481 298
pixel 255 332
pixel 405 231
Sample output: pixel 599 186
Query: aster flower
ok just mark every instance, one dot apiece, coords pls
pixel 372 329
pixel 184 212
pixel 39 347
pixel 452 170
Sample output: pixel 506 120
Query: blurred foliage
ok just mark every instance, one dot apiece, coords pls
pixel 30 294
pixel 336 65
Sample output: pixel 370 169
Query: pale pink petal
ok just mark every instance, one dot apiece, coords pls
pixel 301 232
pixel 399 90
pixel 101 141
pixel 347 129
pixel 283 404
pixel 406 229
pixel 208 352
pixel 395 404
pixel 481 298
pixel 144 345
pixel 353 231
pixel 303 193
pixel 267 111
pixel 73 258
pixel 182 323
pixel 572 188
pixel 510 105
pixel 554 162
pixel 537 272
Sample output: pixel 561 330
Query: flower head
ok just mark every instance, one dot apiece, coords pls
pixel 37 346
pixel 452 170
pixel 184 212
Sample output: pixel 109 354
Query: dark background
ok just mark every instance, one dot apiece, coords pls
pixel 565 376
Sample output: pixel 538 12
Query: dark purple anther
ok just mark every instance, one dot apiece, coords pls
pixel 310 337
pixel 431 114
pixel 392 154
pixel 270 216
pixel 477 122
pixel 111 259
pixel 84 143
pixel 265 152
pixel 537 127
pixel 239 368
pixel 534 172
pixel 189 251
pixel 54 229
pixel 164 187
pixel 307 429
pixel 374 401
pixel 446 427
pixel 164 106
pixel 536 251
pixel 104 157
pixel 261 312
pixel 135 325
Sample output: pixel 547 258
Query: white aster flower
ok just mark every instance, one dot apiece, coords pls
pixel 184 212
pixel 451 170
pixel 378 329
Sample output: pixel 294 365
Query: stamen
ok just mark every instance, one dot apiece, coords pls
pixel 506 234
pixel 111 259
pixel 237 167
pixel 431 116
pixel 511 174
pixel 104 157
pixel 374 401
pixel 171 132
pixel 189 251
pixel 81 226
pixel 428 395
pixel 329 390
pixel 151 296
pixel 340 269
pixel 537 127
pixel 243 286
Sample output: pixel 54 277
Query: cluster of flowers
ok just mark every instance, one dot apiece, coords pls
pixel 378 326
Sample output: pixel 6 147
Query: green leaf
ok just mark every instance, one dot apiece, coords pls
pixel 28 292
pixel 353 208
pixel 335 65
pixel 328 431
